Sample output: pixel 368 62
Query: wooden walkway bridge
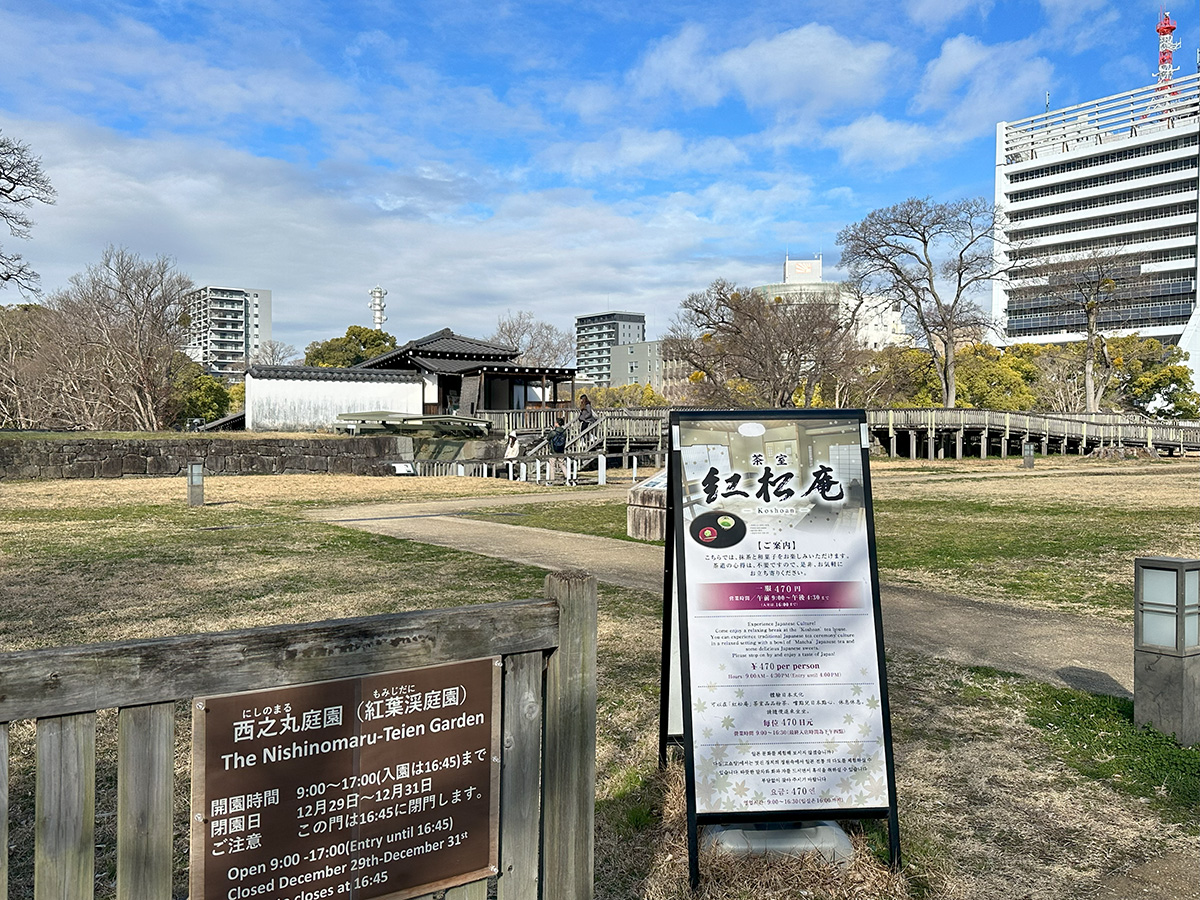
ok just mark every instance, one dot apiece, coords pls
pixel 939 433
pixel 912 433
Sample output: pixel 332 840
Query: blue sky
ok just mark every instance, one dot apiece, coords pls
pixel 566 158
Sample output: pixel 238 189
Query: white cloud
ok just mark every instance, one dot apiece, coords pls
pixel 125 72
pixel 231 218
pixel 885 145
pixel 811 68
pixel 803 70
pixel 974 85
pixel 650 153
pixel 937 14
pixel 682 65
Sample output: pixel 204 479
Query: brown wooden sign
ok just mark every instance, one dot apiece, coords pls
pixel 380 786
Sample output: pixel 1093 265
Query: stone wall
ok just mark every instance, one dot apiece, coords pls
pixel 97 458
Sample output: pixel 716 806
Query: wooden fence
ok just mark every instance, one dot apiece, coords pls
pixel 926 431
pixel 548 737
pixel 614 429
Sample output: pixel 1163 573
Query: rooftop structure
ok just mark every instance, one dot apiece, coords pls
pixel 875 327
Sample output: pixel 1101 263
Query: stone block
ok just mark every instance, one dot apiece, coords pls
pixel 264 465
pixel 162 465
pixel 79 469
pixel 110 466
pixel 341 465
pixel 792 839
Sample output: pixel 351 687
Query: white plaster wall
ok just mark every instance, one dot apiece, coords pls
pixel 288 404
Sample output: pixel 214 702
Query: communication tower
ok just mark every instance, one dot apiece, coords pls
pixel 376 306
pixel 1167 46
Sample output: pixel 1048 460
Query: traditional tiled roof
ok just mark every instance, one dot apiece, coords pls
pixel 444 344
pixel 331 373
pixel 447 353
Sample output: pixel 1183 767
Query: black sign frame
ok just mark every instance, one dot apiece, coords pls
pixel 675 576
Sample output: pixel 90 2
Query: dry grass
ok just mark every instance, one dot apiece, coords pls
pixel 251 491
pixel 1062 536
pixel 1054 480
pixel 986 809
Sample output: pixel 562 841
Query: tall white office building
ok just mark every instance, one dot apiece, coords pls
pixel 226 327
pixel 1115 175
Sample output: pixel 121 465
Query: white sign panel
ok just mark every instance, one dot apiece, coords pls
pixel 782 672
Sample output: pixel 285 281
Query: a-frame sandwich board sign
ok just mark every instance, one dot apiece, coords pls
pixel 782 682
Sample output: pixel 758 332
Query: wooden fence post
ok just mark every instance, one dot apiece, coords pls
pixel 145 782
pixel 520 778
pixel 569 775
pixel 4 811
pixel 64 855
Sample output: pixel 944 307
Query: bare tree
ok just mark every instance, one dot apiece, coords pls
pixel 746 348
pixel 1095 288
pixel 931 258
pixel 24 331
pixel 22 182
pixel 540 343
pixel 121 333
pixel 275 353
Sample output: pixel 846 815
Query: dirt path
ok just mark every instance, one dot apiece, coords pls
pixel 1057 648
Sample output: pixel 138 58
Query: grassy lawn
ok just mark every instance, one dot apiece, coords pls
pixel 1008 788
pixel 1060 537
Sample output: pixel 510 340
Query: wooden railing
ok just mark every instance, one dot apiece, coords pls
pixel 1085 430
pixel 639 427
pixel 613 427
pixel 547 780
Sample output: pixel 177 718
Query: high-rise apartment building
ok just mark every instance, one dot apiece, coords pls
pixel 596 335
pixel 226 327
pixel 1114 178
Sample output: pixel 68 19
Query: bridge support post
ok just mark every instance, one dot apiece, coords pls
pixel 932 441
pixel 1004 445
pixel 912 445
pixel 892 445
pixel 983 443
pixel 958 442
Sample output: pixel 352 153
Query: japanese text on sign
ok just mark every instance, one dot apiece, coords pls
pixel 350 789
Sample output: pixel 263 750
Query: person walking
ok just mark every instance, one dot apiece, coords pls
pixel 587 415
pixel 558 447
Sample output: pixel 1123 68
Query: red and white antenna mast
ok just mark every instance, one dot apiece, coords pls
pixel 1166 50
